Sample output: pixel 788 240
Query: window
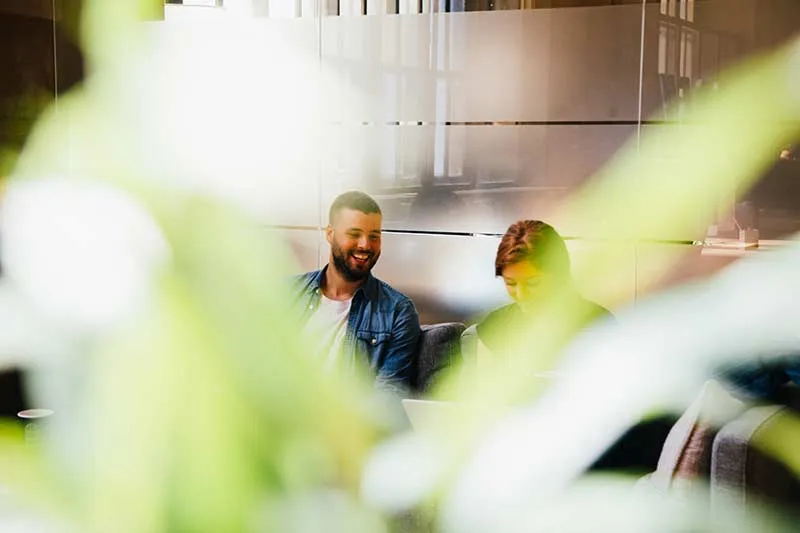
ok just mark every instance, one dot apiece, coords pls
pixel 389 159
pixel 689 52
pixel 668 51
pixel 440 141
pixel 683 9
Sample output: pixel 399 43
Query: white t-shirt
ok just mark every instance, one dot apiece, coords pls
pixel 328 326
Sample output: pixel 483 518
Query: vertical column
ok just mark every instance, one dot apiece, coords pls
pixel 350 7
pixel 309 8
pixel 260 8
pixel 376 7
pixel 408 7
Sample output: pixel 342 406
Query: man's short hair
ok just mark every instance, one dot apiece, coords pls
pixel 356 200
pixel 536 242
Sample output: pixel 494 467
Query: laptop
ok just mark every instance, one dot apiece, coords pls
pixel 429 416
pixel 436 416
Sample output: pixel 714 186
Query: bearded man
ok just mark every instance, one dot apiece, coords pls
pixel 353 317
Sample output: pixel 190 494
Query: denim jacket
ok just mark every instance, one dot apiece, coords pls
pixel 382 328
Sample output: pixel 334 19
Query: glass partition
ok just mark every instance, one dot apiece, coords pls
pixel 476 119
pixel 462 116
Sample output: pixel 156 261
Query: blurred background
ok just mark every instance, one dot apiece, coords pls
pixel 482 113
pixel 478 113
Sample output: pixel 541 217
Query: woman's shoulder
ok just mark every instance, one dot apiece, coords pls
pixel 496 320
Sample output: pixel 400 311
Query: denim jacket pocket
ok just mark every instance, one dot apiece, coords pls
pixel 374 344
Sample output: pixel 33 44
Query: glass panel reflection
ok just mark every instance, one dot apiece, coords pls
pixel 451 277
pixel 694 44
pixel 474 179
pixel 562 65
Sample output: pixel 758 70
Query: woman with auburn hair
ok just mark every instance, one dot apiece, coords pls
pixel 533 262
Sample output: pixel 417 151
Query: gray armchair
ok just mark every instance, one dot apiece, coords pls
pixel 685 457
pixel 438 349
pixel 744 469
pixel 723 444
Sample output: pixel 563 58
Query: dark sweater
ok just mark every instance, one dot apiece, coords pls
pixel 496 331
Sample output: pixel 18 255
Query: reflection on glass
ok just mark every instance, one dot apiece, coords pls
pixel 493 116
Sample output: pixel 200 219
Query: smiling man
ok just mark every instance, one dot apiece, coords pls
pixel 355 317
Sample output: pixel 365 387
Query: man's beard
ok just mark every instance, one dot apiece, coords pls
pixel 351 274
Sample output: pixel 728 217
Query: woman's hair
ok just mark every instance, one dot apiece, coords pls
pixel 534 241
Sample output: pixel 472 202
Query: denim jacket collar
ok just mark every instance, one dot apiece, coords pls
pixel 369 288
